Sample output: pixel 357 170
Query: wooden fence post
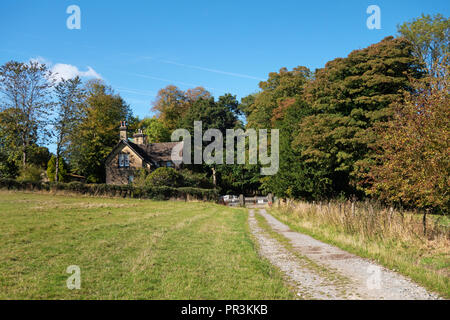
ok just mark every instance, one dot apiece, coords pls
pixel 424 222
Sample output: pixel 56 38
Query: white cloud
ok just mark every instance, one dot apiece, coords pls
pixel 41 60
pixel 67 71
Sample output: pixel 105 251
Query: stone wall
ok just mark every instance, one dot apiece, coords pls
pixel 117 175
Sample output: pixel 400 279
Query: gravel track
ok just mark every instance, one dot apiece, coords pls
pixel 363 279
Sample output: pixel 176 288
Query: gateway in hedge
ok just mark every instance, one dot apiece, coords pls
pixel 132 154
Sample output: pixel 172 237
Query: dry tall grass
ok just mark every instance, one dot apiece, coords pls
pixel 372 221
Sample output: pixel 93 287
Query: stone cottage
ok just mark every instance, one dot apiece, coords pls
pixel 131 154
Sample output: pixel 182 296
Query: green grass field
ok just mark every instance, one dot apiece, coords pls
pixel 129 249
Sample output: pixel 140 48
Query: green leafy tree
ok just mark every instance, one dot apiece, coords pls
pixel 239 179
pixel 8 167
pixel 220 114
pixel 348 97
pixel 51 170
pixel 265 107
pixel 26 104
pixel 31 173
pixel 70 95
pixel 96 130
pixel 168 177
pixel 11 155
pixel 38 156
pixel 413 164
pixel 195 179
pixel 213 114
pixel 280 105
pixel 430 39
pixel 295 178
pixel 172 104
pixel 155 130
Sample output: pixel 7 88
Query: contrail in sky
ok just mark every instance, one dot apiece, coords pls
pixel 137 91
pixel 212 70
pixel 174 81
pixel 232 74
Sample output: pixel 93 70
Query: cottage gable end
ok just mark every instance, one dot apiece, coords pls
pixel 130 155
pixel 122 164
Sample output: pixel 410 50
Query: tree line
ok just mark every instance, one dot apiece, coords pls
pixel 372 124
pixel 80 119
pixel 375 123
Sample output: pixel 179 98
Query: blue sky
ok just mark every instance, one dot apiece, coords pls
pixel 138 47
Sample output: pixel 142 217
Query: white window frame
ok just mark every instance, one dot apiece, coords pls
pixel 124 160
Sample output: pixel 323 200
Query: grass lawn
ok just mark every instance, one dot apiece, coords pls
pixel 129 249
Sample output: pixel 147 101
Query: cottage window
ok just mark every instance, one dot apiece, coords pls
pixel 124 161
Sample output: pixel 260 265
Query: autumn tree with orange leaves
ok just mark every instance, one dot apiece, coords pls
pixel 172 104
pixel 413 166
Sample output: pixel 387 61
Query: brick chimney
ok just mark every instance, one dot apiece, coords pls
pixel 123 130
pixel 139 137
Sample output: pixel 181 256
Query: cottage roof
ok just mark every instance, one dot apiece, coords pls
pixel 152 152
pixel 156 152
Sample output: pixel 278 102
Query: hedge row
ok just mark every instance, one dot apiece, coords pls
pixel 125 191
